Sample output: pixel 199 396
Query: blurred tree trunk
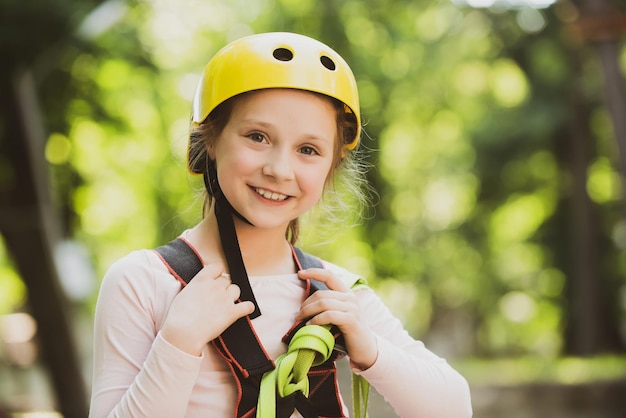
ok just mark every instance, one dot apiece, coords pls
pixel 591 320
pixel 37 33
pixel 592 325
pixel 29 225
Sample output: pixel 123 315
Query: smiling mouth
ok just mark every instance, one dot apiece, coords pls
pixel 277 197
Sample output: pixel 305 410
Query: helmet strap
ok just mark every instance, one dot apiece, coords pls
pixel 213 188
pixel 228 236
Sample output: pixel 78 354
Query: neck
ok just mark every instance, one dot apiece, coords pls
pixel 264 251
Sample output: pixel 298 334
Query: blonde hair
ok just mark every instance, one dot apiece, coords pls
pixel 346 177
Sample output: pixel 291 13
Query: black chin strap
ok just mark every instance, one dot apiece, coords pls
pixel 230 244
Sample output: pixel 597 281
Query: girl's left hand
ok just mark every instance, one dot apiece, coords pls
pixel 339 306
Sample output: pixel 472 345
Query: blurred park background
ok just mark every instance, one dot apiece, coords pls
pixel 497 134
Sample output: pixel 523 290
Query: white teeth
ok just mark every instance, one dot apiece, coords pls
pixel 271 195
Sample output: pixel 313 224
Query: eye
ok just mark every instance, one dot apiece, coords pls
pixel 256 137
pixel 307 150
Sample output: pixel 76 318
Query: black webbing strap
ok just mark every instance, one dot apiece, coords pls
pixel 232 252
pixel 307 261
pixel 180 259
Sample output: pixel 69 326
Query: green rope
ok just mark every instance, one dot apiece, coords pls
pixel 311 346
pixel 360 391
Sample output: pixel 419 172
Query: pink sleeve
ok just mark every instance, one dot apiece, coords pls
pixel 413 380
pixel 136 372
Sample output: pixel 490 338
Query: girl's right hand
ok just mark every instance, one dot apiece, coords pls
pixel 203 310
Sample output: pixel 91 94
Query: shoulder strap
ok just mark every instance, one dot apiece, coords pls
pixel 239 342
pixel 180 259
pixel 306 261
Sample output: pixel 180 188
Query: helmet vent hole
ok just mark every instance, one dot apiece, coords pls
pixel 328 63
pixel 283 54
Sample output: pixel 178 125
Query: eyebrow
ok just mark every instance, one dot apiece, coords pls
pixel 256 122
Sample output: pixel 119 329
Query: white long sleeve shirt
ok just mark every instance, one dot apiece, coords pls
pixel 138 374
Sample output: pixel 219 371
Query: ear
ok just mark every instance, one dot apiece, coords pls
pixel 210 149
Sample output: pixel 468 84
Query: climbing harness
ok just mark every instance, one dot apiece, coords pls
pixel 305 377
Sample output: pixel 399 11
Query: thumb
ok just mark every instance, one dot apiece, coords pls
pixel 244 308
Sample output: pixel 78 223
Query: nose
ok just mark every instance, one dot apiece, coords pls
pixel 279 165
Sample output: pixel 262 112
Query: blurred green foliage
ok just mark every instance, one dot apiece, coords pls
pixel 464 109
pixel 533 370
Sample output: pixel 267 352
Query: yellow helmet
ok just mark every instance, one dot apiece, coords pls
pixel 276 60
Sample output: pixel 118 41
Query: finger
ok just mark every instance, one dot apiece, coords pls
pixel 311 308
pixel 233 291
pixel 243 308
pixel 329 317
pixel 211 270
pixel 223 280
pixel 325 276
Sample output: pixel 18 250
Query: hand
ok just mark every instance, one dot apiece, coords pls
pixel 203 310
pixel 339 306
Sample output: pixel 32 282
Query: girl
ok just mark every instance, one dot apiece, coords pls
pixel 275 116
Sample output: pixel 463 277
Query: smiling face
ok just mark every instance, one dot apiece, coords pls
pixel 275 154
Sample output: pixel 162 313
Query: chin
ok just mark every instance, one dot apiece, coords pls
pixel 264 223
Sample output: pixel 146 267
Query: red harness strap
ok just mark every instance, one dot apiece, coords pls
pixel 248 361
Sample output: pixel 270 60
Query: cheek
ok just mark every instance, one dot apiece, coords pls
pixel 243 162
pixel 235 164
pixel 319 179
